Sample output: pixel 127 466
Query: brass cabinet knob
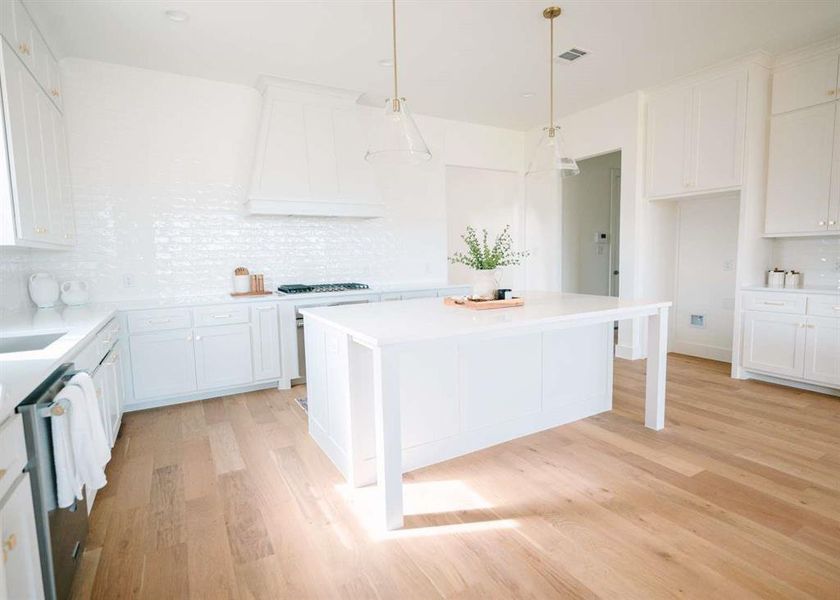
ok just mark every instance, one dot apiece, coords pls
pixel 8 545
pixel 821 223
pixel 24 48
pixel 832 222
pixel 55 93
pixel 832 92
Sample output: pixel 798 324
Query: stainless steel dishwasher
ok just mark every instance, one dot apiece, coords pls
pixel 61 531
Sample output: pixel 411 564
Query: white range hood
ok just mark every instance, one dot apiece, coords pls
pixel 310 154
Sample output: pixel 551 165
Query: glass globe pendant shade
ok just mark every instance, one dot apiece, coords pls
pixel 551 155
pixel 395 140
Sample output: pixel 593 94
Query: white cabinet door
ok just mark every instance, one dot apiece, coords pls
pixel 774 343
pixel 54 82
pixel 52 173
pixel 21 566
pixel 116 392
pixel 21 95
pixel 18 30
pixel 265 341
pixel 822 351
pixel 162 364
pixel 102 383
pixel 799 170
pixel 834 201
pixel 668 152
pixel 223 356
pixel 806 84
pixel 720 111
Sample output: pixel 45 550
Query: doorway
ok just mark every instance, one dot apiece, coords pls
pixel 591 205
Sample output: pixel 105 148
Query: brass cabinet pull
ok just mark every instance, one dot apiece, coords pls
pixel 55 93
pixel 832 92
pixel 24 48
pixel 4 471
pixel 822 223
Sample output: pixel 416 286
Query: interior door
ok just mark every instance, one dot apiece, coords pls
pixel 799 170
pixel 774 343
pixel 822 350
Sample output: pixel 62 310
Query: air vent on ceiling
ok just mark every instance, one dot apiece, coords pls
pixel 572 54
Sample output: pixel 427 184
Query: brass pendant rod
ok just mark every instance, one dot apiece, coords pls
pixel 396 99
pixel 551 80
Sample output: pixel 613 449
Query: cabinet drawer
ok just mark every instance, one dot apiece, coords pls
pixel 775 302
pixel 12 452
pixel 824 305
pixel 220 315
pixel 159 320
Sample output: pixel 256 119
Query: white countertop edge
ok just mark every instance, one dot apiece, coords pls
pixel 595 316
pixel 805 290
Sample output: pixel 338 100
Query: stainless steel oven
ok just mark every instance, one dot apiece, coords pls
pixel 301 344
pixel 61 531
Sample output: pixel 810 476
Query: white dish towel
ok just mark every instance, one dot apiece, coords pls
pixel 80 446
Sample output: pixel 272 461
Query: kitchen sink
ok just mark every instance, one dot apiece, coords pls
pixel 27 343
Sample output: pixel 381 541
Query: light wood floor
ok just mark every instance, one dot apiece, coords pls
pixel 739 497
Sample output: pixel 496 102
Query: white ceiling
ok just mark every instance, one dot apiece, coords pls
pixel 460 59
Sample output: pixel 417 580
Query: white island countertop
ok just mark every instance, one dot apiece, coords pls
pixel 22 372
pixel 428 318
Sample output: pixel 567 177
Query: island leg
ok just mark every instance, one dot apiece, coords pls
pixel 657 361
pixel 386 406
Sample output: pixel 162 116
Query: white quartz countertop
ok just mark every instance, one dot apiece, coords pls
pixel 22 372
pixel 428 318
pixel 828 291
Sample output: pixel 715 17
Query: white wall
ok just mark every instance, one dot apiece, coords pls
pixel 586 210
pixel 483 199
pixel 706 247
pixel 160 165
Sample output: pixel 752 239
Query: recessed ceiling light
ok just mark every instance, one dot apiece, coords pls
pixel 527 94
pixel 386 62
pixel 179 16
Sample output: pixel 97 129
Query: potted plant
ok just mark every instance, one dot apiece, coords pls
pixel 486 260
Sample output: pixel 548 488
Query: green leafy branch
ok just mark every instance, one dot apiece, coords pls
pixel 481 256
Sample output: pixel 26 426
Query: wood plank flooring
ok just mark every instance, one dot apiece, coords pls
pixel 738 497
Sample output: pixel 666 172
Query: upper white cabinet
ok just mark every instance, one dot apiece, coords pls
pixel 799 171
pixel 805 84
pixel 695 136
pixel 309 156
pixel 803 173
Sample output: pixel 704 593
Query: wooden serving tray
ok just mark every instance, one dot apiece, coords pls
pixel 240 294
pixel 484 304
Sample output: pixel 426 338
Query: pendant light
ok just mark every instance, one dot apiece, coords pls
pixel 396 139
pixel 551 154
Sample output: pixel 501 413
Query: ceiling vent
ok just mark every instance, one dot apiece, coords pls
pixel 571 55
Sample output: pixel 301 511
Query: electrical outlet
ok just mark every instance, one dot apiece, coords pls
pixel 128 280
pixel 729 265
pixel 698 320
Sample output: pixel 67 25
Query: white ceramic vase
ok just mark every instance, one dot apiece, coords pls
pixel 485 283
pixel 43 289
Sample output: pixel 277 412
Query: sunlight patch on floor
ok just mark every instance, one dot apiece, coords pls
pixel 422 498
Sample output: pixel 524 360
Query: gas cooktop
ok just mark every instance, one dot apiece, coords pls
pixel 298 288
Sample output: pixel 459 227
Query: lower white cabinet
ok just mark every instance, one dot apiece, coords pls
pixel 265 342
pixel 101 382
pixel 223 356
pixel 163 363
pixel 822 350
pixel 774 343
pixel 796 346
pixel 114 392
pixel 20 570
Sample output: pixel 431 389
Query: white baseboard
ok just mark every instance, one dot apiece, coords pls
pixel 203 395
pixel 802 385
pixel 701 351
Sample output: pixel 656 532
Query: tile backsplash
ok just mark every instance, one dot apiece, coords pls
pixel 160 166
pixel 817 257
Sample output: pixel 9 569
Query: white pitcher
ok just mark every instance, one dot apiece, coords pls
pixel 43 289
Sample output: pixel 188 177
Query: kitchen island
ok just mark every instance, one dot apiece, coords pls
pixel 397 386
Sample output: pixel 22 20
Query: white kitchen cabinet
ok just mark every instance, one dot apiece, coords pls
pixel 668 148
pixel 822 350
pixel 115 396
pixel 223 356
pixel 805 84
pixel 695 137
pixel 799 175
pixel 39 212
pixel 102 384
pixel 20 570
pixel 265 342
pixel 774 343
pixel 163 363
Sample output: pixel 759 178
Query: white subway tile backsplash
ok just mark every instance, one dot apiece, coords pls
pixel 817 257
